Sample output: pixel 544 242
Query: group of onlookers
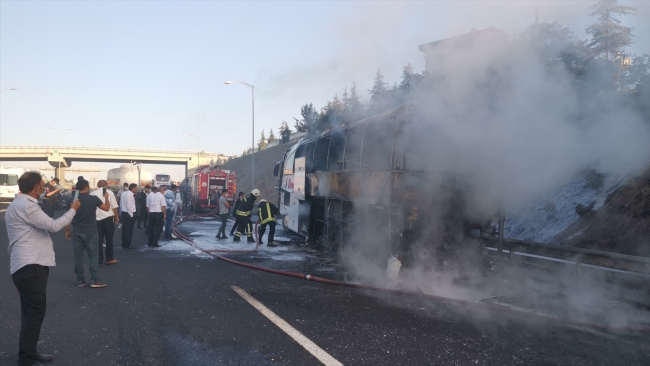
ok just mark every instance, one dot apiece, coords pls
pixel 89 223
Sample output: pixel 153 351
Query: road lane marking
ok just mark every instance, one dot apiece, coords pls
pixel 307 344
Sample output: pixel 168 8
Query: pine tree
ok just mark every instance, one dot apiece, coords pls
pixel 272 137
pixel 407 78
pixel 309 119
pixel 285 133
pixel 335 104
pixel 261 145
pixel 353 103
pixel 608 36
pixel 345 99
pixel 378 91
pixel 556 46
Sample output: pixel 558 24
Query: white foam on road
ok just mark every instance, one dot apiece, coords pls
pixel 203 234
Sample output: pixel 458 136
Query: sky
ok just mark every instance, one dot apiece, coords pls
pixel 140 74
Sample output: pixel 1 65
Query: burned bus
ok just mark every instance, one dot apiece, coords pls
pixel 382 183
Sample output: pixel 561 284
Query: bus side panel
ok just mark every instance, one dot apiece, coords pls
pixel 299 179
pixel 362 187
pixel 293 213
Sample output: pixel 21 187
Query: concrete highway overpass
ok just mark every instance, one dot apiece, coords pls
pixel 63 156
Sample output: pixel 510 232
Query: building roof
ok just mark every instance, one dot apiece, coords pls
pixel 466 38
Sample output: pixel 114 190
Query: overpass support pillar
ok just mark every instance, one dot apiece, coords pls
pixel 59 163
pixel 60 173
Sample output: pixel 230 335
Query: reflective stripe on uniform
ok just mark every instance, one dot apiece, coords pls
pixel 269 217
pixel 242 213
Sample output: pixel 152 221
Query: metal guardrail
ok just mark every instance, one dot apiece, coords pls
pixel 102 149
pixel 580 256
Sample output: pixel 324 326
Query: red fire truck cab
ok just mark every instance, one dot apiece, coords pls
pixel 206 184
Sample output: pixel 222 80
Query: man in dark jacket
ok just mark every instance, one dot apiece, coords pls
pixel 235 207
pixel 267 212
pixel 52 197
pixel 243 214
pixel 141 203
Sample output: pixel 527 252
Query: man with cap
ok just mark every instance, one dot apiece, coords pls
pixel 267 212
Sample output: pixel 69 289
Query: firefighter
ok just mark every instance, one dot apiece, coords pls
pixel 267 212
pixel 243 214
pixel 237 203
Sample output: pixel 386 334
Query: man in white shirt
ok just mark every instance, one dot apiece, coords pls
pixel 170 202
pixel 178 207
pixel 125 188
pixel 156 207
pixel 31 256
pixel 127 203
pixel 106 221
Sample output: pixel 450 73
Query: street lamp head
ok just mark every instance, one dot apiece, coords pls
pixel 14 88
pixel 228 82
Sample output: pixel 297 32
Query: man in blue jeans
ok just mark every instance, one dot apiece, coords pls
pixel 84 234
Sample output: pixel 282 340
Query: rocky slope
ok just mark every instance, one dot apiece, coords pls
pixel 621 225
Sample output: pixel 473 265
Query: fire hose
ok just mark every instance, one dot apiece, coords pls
pixel 217 253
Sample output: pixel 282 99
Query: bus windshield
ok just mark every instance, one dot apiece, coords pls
pixel 8 180
pixel 162 177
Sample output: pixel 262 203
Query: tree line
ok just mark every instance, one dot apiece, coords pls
pixel 601 57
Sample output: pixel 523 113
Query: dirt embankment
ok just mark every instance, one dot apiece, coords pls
pixel 264 162
pixel 622 225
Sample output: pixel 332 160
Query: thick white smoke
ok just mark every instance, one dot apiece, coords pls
pixel 514 131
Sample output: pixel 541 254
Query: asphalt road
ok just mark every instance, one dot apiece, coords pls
pixel 170 308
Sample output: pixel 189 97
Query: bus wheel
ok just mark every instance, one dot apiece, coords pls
pixel 285 223
pixel 423 254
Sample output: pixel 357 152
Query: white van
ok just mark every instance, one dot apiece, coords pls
pixel 9 182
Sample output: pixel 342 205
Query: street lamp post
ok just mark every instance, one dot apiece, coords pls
pixel 60 135
pixel 253 129
pixel 198 151
pixel 8 89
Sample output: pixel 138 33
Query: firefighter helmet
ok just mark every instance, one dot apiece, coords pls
pixel 262 200
pixel 255 192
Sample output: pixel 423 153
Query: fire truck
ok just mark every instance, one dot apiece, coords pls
pixel 206 185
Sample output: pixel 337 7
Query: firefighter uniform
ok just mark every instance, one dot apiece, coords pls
pixel 234 210
pixel 267 212
pixel 243 214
